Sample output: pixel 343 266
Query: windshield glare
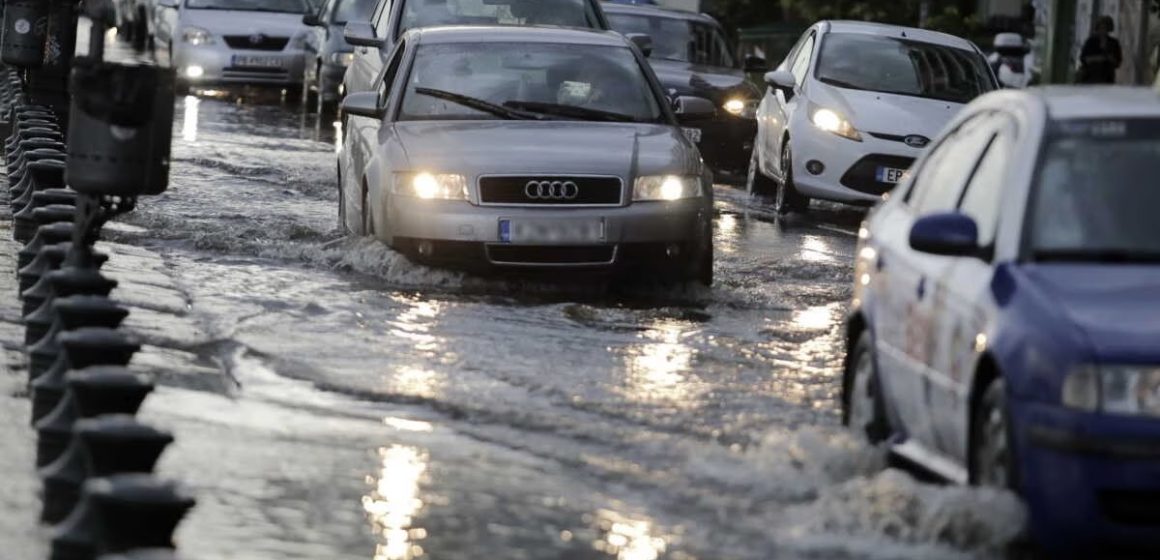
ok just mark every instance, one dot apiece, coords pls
pixel 904 67
pixel 607 79
pixel 428 13
pixel 353 10
pixel 284 6
pixel 1096 189
pixel 678 39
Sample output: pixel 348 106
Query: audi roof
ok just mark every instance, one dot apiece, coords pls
pixel 516 34
pixel 1094 102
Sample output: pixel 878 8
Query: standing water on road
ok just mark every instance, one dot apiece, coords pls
pixel 334 400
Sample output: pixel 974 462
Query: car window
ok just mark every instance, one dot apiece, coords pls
pixel 899 66
pixel 279 6
pixel 473 81
pixel 678 39
pixel 792 54
pixel 429 13
pixel 985 189
pixel 390 72
pixel 353 10
pixel 939 184
pixel 801 63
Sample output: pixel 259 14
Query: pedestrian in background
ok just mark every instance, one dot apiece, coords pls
pixel 1101 55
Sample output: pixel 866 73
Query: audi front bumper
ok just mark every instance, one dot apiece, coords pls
pixel 641 234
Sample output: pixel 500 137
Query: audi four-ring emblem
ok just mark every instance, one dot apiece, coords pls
pixel 551 190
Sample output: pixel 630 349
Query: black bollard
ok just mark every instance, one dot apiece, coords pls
pixel 82 348
pixel 18 165
pixel 50 258
pixel 46 235
pixel 100 447
pixel 24 220
pixel 92 392
pixel 67 281
pixel 67 313
pixel 121 513
pixel 29 132
pixel 41 175
pixel 24 230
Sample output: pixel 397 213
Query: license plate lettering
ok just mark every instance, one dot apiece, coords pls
pixel 693 134
pixel 891 175
pixel 257 61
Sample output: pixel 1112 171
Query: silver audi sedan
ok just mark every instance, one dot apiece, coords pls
pixel 516 148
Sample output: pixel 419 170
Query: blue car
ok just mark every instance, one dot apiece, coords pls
pixel 1005 322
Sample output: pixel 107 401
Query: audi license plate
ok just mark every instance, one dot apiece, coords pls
pixel 246 61
pixel 891 175
pixel 693 134
pixel 551 231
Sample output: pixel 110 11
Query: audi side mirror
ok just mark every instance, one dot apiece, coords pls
pixel 690 109
pixel 362 34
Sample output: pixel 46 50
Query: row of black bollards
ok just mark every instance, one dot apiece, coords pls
pixel 68 175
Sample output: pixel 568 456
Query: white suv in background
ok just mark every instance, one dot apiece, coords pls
pixel 853 105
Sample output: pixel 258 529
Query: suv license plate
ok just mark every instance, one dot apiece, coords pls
pixel 257 61
pixel 551 232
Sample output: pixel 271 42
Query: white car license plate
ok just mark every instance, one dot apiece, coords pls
pixel 693 134
pixel 551 231
pixel 891 175
pixel 244 61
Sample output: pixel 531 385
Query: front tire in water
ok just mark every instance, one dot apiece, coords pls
pixel 992 460
pixel 863 409
pixel 788 198
pixel 756 183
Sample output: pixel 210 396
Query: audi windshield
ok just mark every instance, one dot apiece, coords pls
pixel 541 81
pixel 903 67
pixel 281 6
pixel 1096 195
pixel 430 13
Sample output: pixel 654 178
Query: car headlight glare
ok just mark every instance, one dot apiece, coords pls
pixel 1126 390
pixel 432 186
pixel 666 187
pixel 196 36
pixel 745 108
pixel 345 58
pixel 831 121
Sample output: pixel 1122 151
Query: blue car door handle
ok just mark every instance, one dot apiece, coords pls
pixel 921 287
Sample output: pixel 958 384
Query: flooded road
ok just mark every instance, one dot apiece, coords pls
pixel 332 400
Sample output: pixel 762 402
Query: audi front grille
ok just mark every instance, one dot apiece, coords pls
pixel 550 191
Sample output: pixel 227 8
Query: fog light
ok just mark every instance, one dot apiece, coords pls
pixel 672 250
pixel 426 249
pixel 194 72
pixel 815 167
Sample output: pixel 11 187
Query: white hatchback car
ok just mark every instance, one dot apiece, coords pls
pixel 853 105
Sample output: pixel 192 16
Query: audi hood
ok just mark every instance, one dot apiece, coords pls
pixel 886 113
pixel 545 147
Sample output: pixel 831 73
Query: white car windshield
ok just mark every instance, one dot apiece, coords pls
pixel 678 39
pixel 1096 196
pixel 283 6
pixel 903 67
pixel 528 81
pixel 429 13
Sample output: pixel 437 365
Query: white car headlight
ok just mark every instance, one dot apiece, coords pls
pixel 1128 390
pixel 431 186
pixel 744 108
pixel 344 59
pixel 830 121
pixel 665 187
pixel 196 36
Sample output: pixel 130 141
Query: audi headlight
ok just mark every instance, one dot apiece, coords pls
pixel 196 36
pixel 1128 390
pixel 431 186
pixel 744 108
pixel 344 59
pixel 830 121
pixel 666 187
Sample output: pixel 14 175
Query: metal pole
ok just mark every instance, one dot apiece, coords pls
pixel 1142 44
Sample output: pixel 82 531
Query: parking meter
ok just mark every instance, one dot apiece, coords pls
pixel 120 129
pixel 25 30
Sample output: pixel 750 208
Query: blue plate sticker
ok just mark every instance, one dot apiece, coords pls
pixel 505 231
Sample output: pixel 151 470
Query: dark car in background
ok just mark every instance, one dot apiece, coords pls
pixel 692 57
pixel 327 53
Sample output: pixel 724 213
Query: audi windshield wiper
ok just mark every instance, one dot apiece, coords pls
pixel 1097 255
pixel 570 111
pixel 478 104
